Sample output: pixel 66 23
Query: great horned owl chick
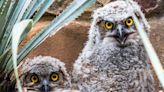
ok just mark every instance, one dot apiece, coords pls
pixel 44 74
pixel 114 58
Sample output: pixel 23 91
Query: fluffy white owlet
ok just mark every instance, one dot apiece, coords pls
pixel 114 58
pixel 44 74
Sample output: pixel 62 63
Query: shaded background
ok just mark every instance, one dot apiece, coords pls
pixel 67 43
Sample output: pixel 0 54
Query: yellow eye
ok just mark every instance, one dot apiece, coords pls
pixel 108 25
pixel 54 77
pixel 129 22
pixel 34 78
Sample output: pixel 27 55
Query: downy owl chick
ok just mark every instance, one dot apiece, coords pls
pixel 44 74
pixel 114 58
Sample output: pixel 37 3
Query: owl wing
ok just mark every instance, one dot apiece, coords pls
pixel 143 82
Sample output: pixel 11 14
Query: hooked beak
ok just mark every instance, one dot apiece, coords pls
pixel 121 35
pixel 45 87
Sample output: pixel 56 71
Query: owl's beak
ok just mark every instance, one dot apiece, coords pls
pixel 121 35
pixel 45 87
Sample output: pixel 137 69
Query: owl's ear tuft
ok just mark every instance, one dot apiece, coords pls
pixel 99 20
pixel 66 76
pixel 64 72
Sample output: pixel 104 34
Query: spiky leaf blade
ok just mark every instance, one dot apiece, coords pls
pixel 46 4
pixel 3 59
pixel 34 6
pixel 16 16
pixel 17 31
pixel 3 17
pixel 25 27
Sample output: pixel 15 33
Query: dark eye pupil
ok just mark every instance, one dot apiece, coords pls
pixel 54 76
pixel 34 78
pixel 129 21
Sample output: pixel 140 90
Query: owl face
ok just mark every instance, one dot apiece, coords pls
pixel 114 24
pixel 46 75
pixel 46 81
pixel 121 33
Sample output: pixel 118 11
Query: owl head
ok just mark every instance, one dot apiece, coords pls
pixel 44 74
pixel 113 24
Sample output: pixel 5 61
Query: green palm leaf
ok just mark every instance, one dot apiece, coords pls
pixel 13 12
pixel 4 10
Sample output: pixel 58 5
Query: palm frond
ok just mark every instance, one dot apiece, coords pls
pixel 16 35
pixel 14 19
pixel 4 15
pixel 14 12
pixel 42 10
pixel 33 7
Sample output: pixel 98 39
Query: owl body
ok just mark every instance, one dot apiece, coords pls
pixel 111 69
pixel 114 58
